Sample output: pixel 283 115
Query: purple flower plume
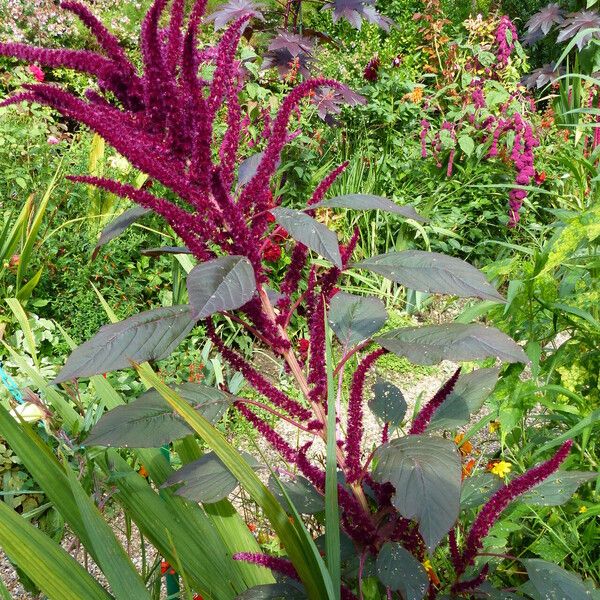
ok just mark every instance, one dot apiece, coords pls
pixel 425 415
pixel 355 414
pixel 280 565
pixel 492 510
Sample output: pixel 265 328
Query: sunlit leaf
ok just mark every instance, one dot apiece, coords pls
pixel 432 272
pixel 151 335
pixel 225 283
pixel 452 341
pixel 149 422
pixel 311 233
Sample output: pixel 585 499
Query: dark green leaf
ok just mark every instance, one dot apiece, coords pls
pixel 149 422
pixel 225 283
pixel 311 233
pixel 467 397
pixel 399 570
pixel 432 272
pixel 151 335
pixel 426 473
pixel 558 488
pixel 273 591
pixel 551 582
pixel 452 341
pixel 355 318
pixel 116 227
pixel 207 479
pixel 166 250
pixel 477 489
pixel 370 202
pixel 388 403
pixel 487 591
pixel 304 497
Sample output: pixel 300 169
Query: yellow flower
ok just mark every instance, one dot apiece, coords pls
pixel 427 565
pixel 583 509
pixel 494 426
pixel 500 468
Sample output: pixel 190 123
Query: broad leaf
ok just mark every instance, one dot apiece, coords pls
pixel 467 397
pixel 426 474
pixel 476 490
pixel 400 571
pixel 207 479
pixel 151 335
pixel 149 422
pixel 551 582
pixel 116 227
pixel 558 488
pixel 225 283
pixel 453 341
pixel 233 10
pixel 354 11
pixel 370 202
pixel 304 497
pixel 388 403
pixel 432 272
pixel 311 233
pixel 355 318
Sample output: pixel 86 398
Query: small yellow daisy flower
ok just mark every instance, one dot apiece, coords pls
pixel 500 468
pixel 583 509
pixel 493 426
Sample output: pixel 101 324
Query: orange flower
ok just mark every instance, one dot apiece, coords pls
pixel 464 448
pixel 431 573
pixel 415 96
pixel 468 467
pixel 142 471
pixel 252 527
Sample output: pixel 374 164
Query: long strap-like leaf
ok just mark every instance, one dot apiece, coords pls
pixel 58 575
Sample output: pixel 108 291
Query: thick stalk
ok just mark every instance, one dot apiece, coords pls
pixel 298 374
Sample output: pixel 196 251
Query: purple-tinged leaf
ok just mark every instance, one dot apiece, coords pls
pixel 542 77
pixel 207 479
pixel 311 233
pixel 225 283
pixel 552 582
pixel 388 403
pixel 578 22
pixel 233 10
pixel 466 398
pixel 355 319
pixel 354 11
pixel 305 498
pixel 432 272
pixel 426 475
pixel 117 226
pixel 289 51
pixel 151 335
pixel 543 21
pixel 329 101
pixel 400 571
pixel 154 252
pixel 558 488
pixel 248 167
pixel 149 422
pixel 370 202
pixel 453 341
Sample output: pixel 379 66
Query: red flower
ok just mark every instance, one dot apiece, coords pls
pixel 165 568
pixel 252 527
pixel 372 69
pixel 36 72
pixel 198 597
pixel 270 218
pixel 540 177
pixel 271 252
pixel 303 345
